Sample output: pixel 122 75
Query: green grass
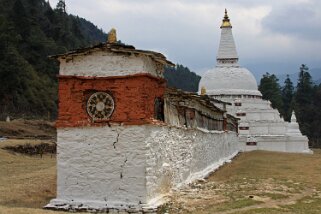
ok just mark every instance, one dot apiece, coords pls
pixel 263 211
pixel 274 196
pixel 306 205
pixel 237 204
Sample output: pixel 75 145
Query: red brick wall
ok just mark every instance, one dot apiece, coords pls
pixel 134 98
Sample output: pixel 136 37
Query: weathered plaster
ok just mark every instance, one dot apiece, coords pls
pixel 176 156
pixel 106 64
pixel 127 167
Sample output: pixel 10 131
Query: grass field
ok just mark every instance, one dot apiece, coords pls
pixel 255 182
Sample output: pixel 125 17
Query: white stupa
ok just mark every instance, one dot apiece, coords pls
pixel 260 125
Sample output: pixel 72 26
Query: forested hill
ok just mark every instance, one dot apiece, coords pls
pixel 30 30
pixel 182 78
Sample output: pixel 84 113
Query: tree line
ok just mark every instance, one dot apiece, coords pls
pixel 304 99
pixel 182 77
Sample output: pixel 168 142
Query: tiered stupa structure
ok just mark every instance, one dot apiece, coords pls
pixel 260 125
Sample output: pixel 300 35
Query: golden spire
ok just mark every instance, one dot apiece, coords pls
pixel 112 36
pixel 203 90
pixel 226 21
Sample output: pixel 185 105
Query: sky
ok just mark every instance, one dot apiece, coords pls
pixel 274 36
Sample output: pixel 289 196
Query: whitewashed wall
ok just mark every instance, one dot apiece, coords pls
pixel 278 143
pixel 106 64
pixel 177 156
pixel 102 165
pixel 132 166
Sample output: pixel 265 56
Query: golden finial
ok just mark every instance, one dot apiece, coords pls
pixel 112 36
pixel 226 21
pixel 203 90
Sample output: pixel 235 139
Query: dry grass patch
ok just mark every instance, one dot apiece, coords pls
pixel 21 128
pixel 25 181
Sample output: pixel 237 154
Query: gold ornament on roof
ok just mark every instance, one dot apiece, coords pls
pixel 203 90
pixel 226 21
pixel 112 36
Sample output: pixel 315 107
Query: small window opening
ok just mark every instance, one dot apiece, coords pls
pixel 159 109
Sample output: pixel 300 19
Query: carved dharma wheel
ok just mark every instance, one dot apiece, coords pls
pixel 100 106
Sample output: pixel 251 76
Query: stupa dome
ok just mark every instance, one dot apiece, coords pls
pixel 228 80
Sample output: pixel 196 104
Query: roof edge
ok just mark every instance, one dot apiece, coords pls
pixel 116 48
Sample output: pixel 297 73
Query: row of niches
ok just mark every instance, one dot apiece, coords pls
pixel 240 114
pixel 240 96
pixel 227 61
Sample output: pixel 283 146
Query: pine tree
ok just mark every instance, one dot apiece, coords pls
pixel 287 97
pixel 271 90
pixel 303 100
pixel 19 17
pixel 182 78
pixel 61 6
pixel 315 133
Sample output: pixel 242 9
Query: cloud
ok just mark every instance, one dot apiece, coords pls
pixel 300 20
pixel 188 32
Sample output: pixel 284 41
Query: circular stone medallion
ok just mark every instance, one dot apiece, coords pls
pixel 100 106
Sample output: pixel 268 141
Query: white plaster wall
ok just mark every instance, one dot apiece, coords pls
pixel 107 64
pixel 252 116
pixel 267 128
pixel 298 143
pixel 255 103
pixel 277 143
pixel 132 166
pixel 176 156
pixel 244 132
pixel 277 128
pixel 102 164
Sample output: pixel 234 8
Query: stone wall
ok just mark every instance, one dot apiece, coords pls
pixel 129 167
pixel 177 156
pixel 102 166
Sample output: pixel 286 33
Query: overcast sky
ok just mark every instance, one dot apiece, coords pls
pixel 273 36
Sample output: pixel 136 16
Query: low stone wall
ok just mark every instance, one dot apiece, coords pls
pixel 176 156
pixel 130 167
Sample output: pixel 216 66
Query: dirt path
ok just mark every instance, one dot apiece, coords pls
pixel 273 203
